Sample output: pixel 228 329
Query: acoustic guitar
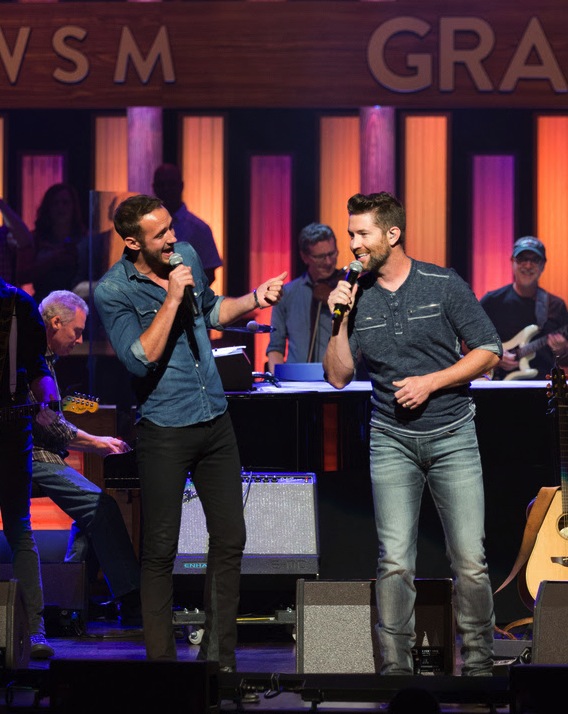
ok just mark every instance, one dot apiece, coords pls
pixel 76 403
pixel 549 557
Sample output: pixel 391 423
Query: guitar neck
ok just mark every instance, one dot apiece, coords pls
pixel 537 344
pixel 24 410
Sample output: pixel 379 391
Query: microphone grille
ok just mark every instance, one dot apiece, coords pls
pixel 175 259
pixel 356 266
pixel 252 326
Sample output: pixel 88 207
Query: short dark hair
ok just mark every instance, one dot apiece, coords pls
pixel 129 213
pixel 314 233
pixel 387 209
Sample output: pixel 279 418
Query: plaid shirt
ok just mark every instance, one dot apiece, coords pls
pixel 50 443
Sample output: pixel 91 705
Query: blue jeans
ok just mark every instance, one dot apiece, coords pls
pixel 165 456
pixel 98 523
pixel 451 465
pixel 15 491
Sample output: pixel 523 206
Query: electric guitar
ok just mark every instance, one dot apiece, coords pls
pixel 77 403
pixel 549 557
pixel 524 350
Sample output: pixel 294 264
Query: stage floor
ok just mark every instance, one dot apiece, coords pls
pixel 266 668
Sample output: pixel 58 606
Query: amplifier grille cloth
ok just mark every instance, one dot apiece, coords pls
pixel 280 515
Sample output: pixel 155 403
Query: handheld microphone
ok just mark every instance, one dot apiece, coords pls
pixel 175 260
pixel 251 326
pixel 354 271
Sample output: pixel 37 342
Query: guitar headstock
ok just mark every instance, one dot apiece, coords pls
pixel 79 404
pixel 557 389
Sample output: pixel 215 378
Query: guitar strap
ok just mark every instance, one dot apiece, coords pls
pixel 541 307
pixel 535 518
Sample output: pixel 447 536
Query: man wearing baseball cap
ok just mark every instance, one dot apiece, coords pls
pixel 531 322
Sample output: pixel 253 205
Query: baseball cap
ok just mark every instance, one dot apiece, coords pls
pixel 529 243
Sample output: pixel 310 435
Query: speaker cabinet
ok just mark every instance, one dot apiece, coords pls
pixel 537 689
pixel 281 521
pixel 64 584
pixel 14 630
pixel 94 686
pixel 335 627
pixel 550 646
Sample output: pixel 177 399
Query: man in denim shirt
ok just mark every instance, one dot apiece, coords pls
pixel 408 320
pixel 157 317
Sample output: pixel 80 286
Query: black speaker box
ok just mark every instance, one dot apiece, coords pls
pixel 335 627
pixel 94 686
pixel 281 521
pixel 64 584
pixel 550 643
pixel 14 630
pixel 537 689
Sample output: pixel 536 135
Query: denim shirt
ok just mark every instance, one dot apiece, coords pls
pixel 417 330
pixel 184 386
pixel 291 319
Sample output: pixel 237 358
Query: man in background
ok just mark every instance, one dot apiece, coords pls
pixel 98 523
pixel 168 186
pixel 302 320
pixel 531 322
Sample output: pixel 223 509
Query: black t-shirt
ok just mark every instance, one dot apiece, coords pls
pixel 511 314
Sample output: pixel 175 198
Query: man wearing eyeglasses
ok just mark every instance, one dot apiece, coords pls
pixel 301 320
pixel 531 322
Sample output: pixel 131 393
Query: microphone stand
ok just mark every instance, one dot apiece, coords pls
pixel 314 332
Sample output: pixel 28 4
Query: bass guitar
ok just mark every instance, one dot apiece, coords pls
pixel 525 350
pixel 76 403
pixel 549 557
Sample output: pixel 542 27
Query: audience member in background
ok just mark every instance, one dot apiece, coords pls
pixel 302 320
pixel 58 231
pixel 98 521
pixel 16 245
pixel 168 186
pixel 407 320
pixel 157 318
pixel 531 322
pixel 23 338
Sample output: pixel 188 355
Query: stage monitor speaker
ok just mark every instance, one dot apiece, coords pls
pixel 14 630
pixel 335 627
pixel 94 686
pixel 64 584
pixel 537 689
pixel 281 521
pixel 550 645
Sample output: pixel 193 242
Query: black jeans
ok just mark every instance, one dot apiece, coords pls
pixel 165 456
pixel 15 491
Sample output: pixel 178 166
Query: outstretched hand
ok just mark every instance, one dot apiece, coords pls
pixel 270 292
